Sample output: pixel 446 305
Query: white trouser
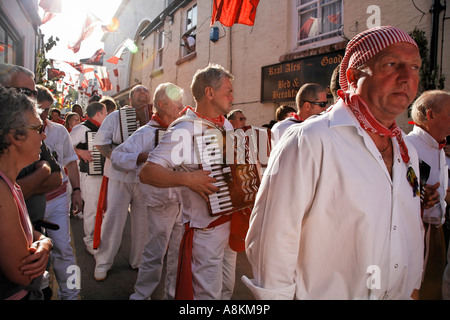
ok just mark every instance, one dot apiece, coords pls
pixel 121 196
pixel 165 233
pixel 62 256
pixel 208 254
pixel 229 273
pixel 90 189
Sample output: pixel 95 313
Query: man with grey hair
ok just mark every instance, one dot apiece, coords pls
pixel 431 116
pixel 163 204
pixel 122 191
pixel 206 237
pixel 345 223
pixel 311 99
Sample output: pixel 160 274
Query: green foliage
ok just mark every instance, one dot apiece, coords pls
pixel 429 75
pixel 43 62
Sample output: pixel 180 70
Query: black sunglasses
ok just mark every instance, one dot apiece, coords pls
pixel 320 104
pixel 39 128
pixel 26 91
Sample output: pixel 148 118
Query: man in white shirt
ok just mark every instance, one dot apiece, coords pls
pixel 164 204
pixel 123 192
pixel 311 100
pixel 58 201
pixel 206 237
pixel 431 115
pixel 90 183
pixel 345 221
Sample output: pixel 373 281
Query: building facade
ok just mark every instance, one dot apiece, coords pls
pixel 292 42
pixel 19 32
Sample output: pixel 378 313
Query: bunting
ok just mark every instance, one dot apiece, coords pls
pixel 229 12
pixel 119 51
pixel 89 25
pixel 51 8
pixel 103 78
pixel 96 59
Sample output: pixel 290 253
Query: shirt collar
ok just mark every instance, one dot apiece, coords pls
pixel 425 137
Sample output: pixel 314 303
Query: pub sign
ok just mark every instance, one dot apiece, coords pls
pixel 281 81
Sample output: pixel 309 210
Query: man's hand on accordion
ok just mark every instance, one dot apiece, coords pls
pixel 199 181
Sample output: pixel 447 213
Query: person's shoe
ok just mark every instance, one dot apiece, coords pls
pixel 100 275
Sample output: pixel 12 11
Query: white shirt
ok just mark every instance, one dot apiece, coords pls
pixel 175 149
pixel 59 142
pixel 126 154
pixel 328 214
pixel 428 150
pixel 78 134
pixel 280 127
pixel 110 133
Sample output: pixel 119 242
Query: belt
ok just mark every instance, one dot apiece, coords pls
pixel 57 192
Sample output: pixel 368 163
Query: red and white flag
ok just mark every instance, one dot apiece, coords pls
pixel 89 25
pixel 103 78
pixel 119 51
pixel 51 8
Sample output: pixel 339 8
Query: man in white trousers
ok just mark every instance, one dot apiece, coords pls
pixel 123 194
pixel 58 201
pixel 164 204
pixel 90 183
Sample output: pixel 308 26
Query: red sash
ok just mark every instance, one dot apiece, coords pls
pixel 101 209
pixel 184 288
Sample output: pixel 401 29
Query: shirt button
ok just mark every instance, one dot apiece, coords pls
pixel 396 266
pixel 395 228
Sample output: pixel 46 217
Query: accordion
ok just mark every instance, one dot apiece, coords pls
pixel 233 157
pixel 158 135
pixel 95 167
pixel 131 120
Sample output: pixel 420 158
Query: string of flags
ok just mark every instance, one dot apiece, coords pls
pixel 227 12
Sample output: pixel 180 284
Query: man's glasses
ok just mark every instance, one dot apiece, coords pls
pixel 320 104
pixel 26 91
pixel 39 128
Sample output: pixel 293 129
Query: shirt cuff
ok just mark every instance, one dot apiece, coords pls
pixel 286 293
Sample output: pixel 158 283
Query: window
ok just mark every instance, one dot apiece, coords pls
pixel 9 45
pixel 159 48
pixel 318 20
pixel 190 29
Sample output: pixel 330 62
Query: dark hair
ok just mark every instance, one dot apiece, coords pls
pixel 283 111
pixel 109 103
pixel 93 108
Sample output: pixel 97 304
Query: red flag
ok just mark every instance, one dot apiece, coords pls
pixel 88 27
pixel 229 12
pixel 55 74
pixel 50 7
pixel 103 78
pixel 76 66
pixel 97 58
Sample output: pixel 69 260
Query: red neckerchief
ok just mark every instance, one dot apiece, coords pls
pixel 94 122
pixel 369 123
pixel 297 117
pixel 442 144
pixel 220 121
pixel 156 118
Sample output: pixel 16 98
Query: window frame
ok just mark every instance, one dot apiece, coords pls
pixel 190 28
pixel 12 53
pixel 318 40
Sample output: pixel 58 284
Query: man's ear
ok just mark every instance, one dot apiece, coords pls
pixel 209 92
pixel 353 76
pixel 429 114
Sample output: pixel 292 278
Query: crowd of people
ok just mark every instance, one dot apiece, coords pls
pixel 349 206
